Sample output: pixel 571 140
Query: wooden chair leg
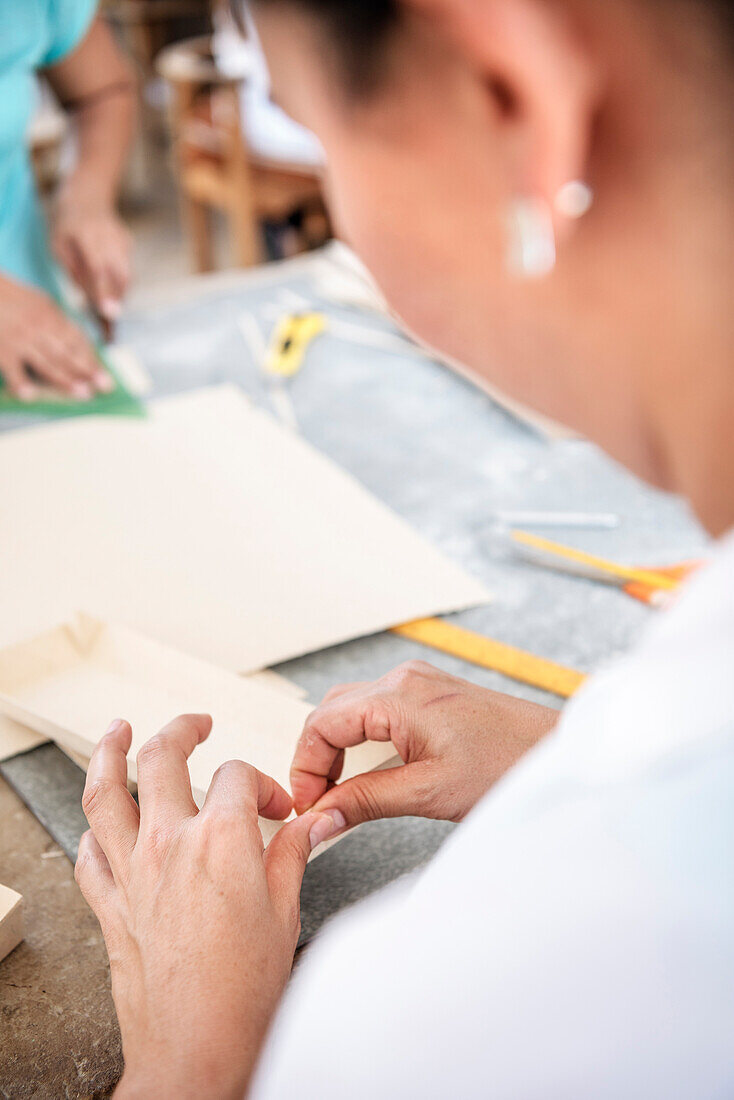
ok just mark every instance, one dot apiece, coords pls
pixel 198 226
pixel 242 208
pixel 248 246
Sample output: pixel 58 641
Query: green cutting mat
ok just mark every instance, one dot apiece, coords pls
pixel 120 402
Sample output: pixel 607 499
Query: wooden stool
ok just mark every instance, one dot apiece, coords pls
pixel 215 168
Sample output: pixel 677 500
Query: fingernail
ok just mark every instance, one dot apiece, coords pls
pixel 326 826
pixel 27 393
pixel 81 390
pixel 110 308
pixel 114 726
pixel 103 381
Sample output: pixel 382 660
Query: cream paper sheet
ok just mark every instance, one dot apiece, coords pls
pixel 70 682
pixel 209 528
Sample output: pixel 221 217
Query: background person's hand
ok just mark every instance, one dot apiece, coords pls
pixel 200 923
pixel 39 343
pixel 92 244
pixel 456 740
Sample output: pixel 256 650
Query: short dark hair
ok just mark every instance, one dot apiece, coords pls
pixel 359 29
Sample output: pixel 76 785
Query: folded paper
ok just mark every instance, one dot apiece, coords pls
pixel 70 682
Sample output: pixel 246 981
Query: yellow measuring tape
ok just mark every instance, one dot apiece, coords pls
pixel 487 653
pixel 516 663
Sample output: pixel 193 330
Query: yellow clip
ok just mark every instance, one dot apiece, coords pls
pixel 289 342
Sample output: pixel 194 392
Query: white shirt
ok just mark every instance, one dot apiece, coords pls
pixel 575 936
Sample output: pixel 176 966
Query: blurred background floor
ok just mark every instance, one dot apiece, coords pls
pixel 47 1049
pixel 160 249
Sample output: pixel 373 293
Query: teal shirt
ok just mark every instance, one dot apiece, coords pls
pixel 33 35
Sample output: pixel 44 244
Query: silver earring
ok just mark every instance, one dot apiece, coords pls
pixel 531 239
pixel 574 200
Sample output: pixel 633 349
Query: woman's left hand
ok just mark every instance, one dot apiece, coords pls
pixel 199 921
pixel 92 244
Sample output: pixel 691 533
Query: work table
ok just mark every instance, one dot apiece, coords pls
pixel 440 453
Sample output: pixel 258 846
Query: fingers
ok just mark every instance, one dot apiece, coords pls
pixel 70 351
pixel 39 343
pixel 408 791
pixel 81 366
pixel 92 871
pixel 343 689
pixel 97 259
pixel 287 854
pixel 17 380
pixel 69 257
pixel 238 787
pixel 104 283
pixel 109 807
pixel 56 367
pixel 73 353
pixel 336 769
pixel 59 353
pixel 344 721
pixel 164 784
pixel 50 361
pixel 110 285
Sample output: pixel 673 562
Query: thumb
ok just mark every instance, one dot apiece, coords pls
pixel 102 290
pixel 403 791
pixel 287 853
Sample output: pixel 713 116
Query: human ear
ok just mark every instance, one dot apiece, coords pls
pixel 543 76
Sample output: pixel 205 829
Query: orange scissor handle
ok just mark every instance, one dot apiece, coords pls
pixel 647 594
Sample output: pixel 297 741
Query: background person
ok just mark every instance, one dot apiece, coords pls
pixel 76 53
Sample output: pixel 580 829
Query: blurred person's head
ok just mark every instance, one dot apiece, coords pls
pixel 452 125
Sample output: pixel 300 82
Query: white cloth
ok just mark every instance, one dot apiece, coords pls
pixel 575 937
pixel 270 132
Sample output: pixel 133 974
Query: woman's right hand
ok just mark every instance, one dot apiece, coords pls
pixel 38 343
pixel 455 739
